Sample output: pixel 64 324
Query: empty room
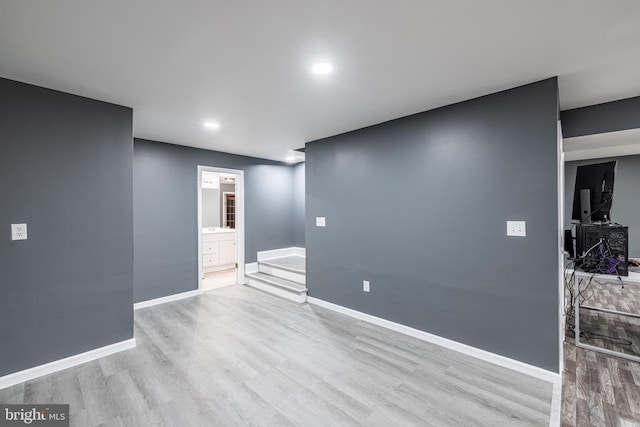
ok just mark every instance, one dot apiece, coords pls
pixel 294 213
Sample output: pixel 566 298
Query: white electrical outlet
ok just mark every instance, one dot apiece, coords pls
pixel 517 228
pixel 18 231
pixel 365 285
pixel 321 221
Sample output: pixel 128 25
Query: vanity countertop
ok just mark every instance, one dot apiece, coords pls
pixel 215 230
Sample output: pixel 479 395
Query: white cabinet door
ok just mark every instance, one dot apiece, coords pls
pixel 210 248
pixel 227 252
pixel 210 260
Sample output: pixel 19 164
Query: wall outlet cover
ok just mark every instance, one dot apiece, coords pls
pixel 321 221
pixel 18 231
pixel 517 228
pixel 365 286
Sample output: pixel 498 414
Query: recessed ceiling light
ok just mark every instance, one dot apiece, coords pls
pixel 211 125
pixel 322 68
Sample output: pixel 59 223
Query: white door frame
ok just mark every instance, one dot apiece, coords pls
pixel 561 201
pixel 239 219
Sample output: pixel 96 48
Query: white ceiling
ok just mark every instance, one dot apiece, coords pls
pixel 245 63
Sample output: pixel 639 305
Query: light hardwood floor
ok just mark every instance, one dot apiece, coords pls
pixel 237 356
pixel 297 263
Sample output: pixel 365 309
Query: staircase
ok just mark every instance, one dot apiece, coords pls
pixel 284 277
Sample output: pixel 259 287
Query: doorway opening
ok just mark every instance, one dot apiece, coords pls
pixel 220 227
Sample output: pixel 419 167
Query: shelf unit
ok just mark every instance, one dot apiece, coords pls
pixel 230 210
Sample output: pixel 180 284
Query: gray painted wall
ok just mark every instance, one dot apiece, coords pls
pixel 66 171
pixel 165 213
pixel 436 251
pixel 626 195
pixel 602 118
pixel 211 207
pixel 298 204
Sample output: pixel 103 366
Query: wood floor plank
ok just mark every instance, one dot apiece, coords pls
pixel 236 356
pixel 476 402
pixel 13 394
pixel 599 389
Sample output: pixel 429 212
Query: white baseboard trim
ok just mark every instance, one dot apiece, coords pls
pixel 217 269
pixel 487 356
pixel 163 300
pixel 279 253
pixel 68 362
pixel 251 268
pixel 300 251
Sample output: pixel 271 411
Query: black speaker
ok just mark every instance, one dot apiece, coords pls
pixel 603 249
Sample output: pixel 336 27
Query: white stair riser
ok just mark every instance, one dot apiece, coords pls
pixel 283 293
pixel 283 274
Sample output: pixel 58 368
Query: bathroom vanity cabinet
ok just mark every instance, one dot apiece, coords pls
pixel 218 250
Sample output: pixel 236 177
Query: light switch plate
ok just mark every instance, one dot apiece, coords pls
pixel 365 286
pixel 517 228
pixel 18 231
pixel 321 221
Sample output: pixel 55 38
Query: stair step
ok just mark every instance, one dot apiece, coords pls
pixel 287 268
pixel 294 264
pixel 278 282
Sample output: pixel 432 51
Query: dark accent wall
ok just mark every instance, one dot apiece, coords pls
pixel 66 171
pixel 418 206
pixel 626 195
pixel 298 204
pixel 601 118
pixel 166 218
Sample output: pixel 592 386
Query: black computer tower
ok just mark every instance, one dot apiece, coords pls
pixel 617 246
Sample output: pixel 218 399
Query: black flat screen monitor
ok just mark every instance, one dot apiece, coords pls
pixel 598 179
